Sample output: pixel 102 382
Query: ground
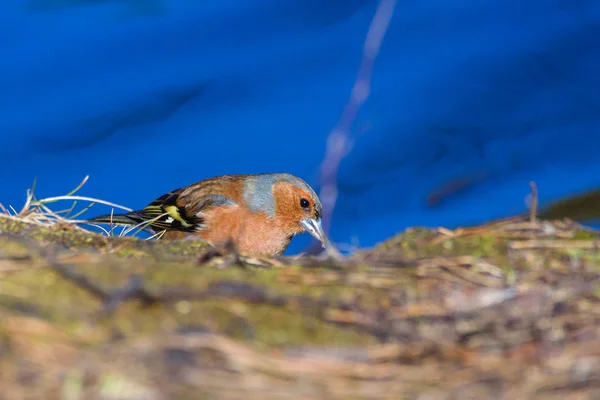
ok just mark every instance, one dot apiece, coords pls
pixel 504 310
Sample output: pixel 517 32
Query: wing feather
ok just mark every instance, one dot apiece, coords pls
pixel 177 212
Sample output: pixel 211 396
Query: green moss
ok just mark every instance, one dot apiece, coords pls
pixel 69 237
pixel 584 234
pixel 402 291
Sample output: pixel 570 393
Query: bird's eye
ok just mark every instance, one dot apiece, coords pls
pixel 304 204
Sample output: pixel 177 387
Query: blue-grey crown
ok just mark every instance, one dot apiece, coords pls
pixel 258 191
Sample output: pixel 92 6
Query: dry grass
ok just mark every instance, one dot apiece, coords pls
pixel 38 211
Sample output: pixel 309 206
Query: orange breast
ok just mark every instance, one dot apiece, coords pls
pixel 252 233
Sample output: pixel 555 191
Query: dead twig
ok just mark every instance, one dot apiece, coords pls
pixel 338 142
pixel 534 202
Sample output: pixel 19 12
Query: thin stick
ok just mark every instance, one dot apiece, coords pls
pixel 534 202
pixel 83 210
pixel 82 198
pixel 78 187
pixel 157 236
pixel 339 138
pixel 100 227
pixel 144 224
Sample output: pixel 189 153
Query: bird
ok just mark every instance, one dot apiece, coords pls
pixel 259 213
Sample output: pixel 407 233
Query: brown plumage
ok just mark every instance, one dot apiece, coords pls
pixel 260 213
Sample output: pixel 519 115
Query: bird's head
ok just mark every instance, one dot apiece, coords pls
pixel 290 200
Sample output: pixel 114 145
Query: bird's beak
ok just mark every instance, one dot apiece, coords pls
pixel 314 227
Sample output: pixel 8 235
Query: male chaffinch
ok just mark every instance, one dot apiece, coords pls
pixel 260 213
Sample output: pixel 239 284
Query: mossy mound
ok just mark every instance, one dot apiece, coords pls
pixel 504 310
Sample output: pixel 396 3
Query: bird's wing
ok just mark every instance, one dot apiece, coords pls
pixel 182 209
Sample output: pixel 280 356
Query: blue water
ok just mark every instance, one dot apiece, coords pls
pixel 149 96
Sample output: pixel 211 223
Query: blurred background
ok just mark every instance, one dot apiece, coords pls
pixel 469 102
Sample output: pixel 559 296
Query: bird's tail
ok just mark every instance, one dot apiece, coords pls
pixel 130 219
